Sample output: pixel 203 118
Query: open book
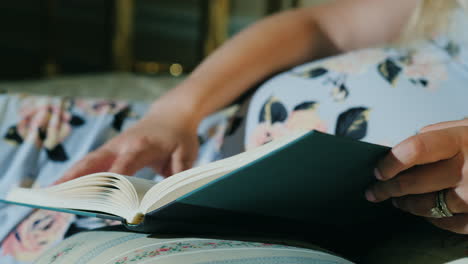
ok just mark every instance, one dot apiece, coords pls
pixel 130 197
pixel 307 177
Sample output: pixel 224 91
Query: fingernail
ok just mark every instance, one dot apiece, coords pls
pixel 394 202
pixel 377 174
pixel 370 196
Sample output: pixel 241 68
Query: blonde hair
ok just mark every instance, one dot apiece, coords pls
pixel 430 18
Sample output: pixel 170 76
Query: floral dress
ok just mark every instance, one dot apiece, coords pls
pixel 379 95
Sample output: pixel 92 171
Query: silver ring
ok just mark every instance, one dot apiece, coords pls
pixel 441 209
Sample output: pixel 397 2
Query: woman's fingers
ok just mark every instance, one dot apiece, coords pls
pixel 421 204
pixel 456 223
pixel 128 163
pixel 166 144
pixel 134 158
pixel 417 169
pixel 97 161
pixel 420 179
pixel 183 158
pixel 165 163
pixel 179 161
pixel 420 149
pixel 443 125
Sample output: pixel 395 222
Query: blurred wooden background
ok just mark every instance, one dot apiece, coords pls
pixel 47 38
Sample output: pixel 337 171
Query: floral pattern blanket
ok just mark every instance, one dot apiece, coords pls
pixel 42 136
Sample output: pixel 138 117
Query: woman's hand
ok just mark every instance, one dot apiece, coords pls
pixel 164 139
pixel 420 166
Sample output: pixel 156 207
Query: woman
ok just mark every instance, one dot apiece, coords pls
pixel 166 138
pixel 379 95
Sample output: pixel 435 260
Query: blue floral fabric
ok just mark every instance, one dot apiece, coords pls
pixel 40 138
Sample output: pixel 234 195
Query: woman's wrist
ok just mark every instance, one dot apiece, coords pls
pixel 180 105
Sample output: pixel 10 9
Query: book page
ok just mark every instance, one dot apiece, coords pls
pixel 102 192
pixel 100 247
pixel 141 186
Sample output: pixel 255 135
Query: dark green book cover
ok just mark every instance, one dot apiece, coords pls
pixel 316 176
pixel 312 187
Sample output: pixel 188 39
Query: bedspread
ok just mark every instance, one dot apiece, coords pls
pixel 42 136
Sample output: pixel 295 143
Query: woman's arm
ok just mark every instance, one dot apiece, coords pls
pixel 166 140
pixel 284 40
